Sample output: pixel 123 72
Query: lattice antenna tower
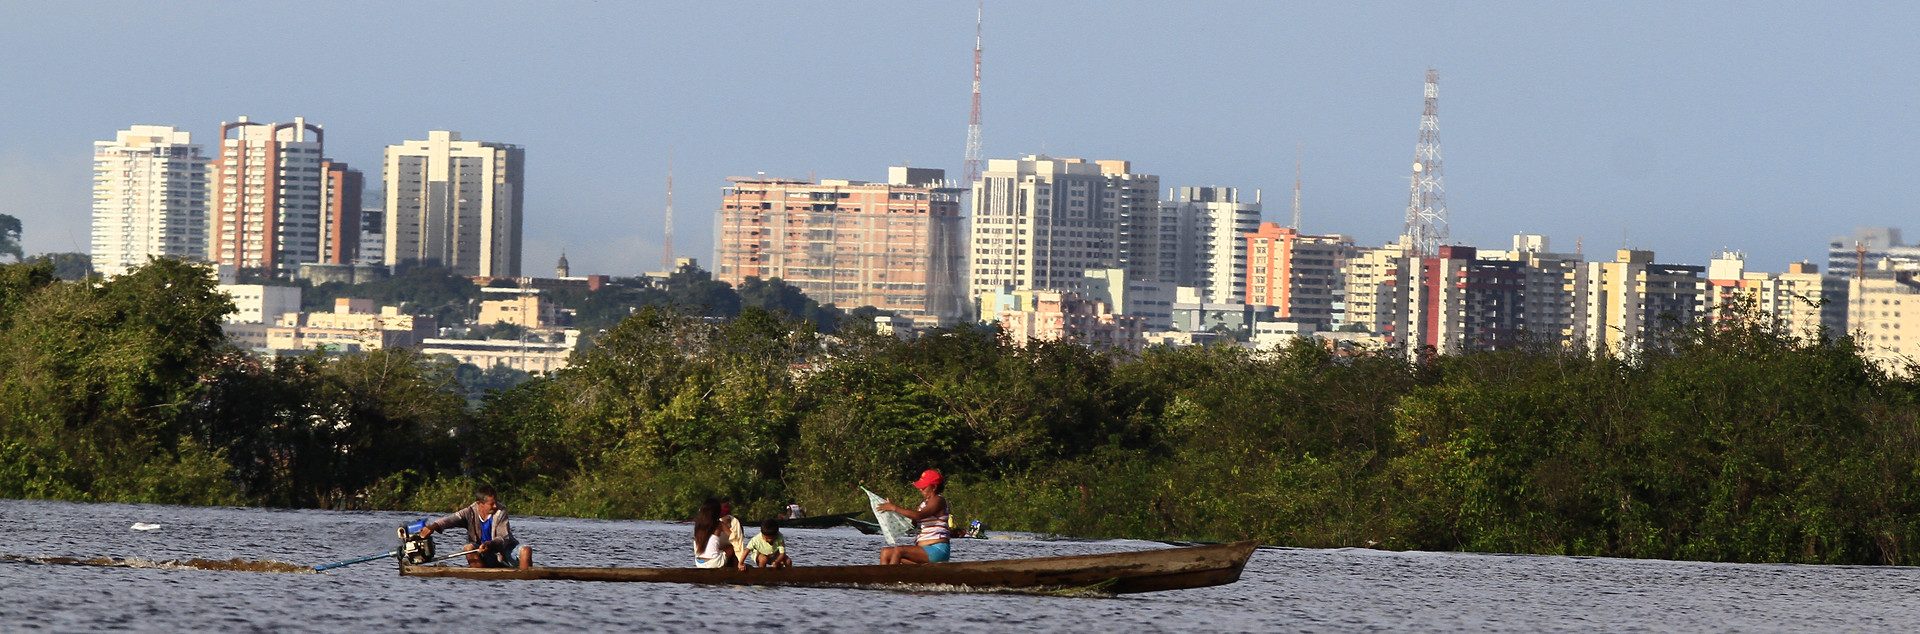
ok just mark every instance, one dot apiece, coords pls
pixel 973 120
pixel 1296 187
pixel 666 250
pixel 1427 223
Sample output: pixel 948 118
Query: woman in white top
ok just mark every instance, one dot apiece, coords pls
pixel 709 548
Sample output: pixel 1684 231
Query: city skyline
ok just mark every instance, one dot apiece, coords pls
pixel 1683 130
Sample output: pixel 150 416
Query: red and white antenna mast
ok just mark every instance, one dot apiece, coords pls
pixel 973 121
pixel 666 251
pixel 1427 205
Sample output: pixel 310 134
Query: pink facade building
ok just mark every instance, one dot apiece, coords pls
pixel 894 246
pixel 1049 315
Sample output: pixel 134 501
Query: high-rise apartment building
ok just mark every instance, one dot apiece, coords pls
pixel 1458 302
pixel 454 203
pixel 1804 302
pixel 1375 290
pixel 1298 274
pixel 340 205
pixel 1883 315
pixel 149 198
pixel 894 245
pixel 1040 223
pixel 266 195
pixel 1621 305
pixel 1548 301
pixel 1135 203
pixel 1210 251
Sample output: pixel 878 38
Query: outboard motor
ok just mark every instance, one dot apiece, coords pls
pixel 414 549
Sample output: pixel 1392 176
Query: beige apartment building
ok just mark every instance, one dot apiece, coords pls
pixel 354 325
pixel 454 203
pixel 1619 305
pixel 1804 302
pixel 895 246
pixel 521 307
pixel 1883 314
pixel 1375 290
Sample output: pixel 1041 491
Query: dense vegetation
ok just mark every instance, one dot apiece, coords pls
pixel 1734 442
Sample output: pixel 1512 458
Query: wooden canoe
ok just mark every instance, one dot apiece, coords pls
pixel 1112 573
pixel 817 521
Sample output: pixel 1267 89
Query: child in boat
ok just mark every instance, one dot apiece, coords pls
pixel 769 549
pixel 730 533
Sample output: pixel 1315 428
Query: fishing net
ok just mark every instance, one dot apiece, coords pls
pixel 894 526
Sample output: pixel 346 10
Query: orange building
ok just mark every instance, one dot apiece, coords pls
pixel 1295 272
pixel 894 246
pixel 265 211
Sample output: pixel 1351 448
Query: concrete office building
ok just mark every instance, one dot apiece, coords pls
pixel 896 245
pixel 266 193
pixel 149 198
pixel 454 203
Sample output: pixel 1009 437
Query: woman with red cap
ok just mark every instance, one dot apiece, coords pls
pixel 933 544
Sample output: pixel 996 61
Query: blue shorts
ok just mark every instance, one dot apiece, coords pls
pixel 938 552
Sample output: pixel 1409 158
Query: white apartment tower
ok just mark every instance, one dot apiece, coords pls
pixel 1040 223
pixel 149 198
pixel 454 203
pixel 1210 244
pixel 266 196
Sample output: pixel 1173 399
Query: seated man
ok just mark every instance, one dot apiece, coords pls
pixel 487 533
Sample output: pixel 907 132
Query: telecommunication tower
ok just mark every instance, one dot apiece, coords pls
pixel 666 251
pixel 1427 207
pixel 973 121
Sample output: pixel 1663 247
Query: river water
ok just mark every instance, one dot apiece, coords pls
pixel 1281 590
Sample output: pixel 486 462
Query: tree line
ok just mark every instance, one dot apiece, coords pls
pixel 1734 441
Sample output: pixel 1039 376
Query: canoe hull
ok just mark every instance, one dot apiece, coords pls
pixel 1114 573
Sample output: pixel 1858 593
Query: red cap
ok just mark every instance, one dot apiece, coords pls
pixel 928 478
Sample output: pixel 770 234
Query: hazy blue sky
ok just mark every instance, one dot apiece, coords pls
pixel 1681 127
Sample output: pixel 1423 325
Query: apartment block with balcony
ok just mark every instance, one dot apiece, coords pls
pixel 266 193
pixel 1297 274
pixel 896 246
pixel 149 198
